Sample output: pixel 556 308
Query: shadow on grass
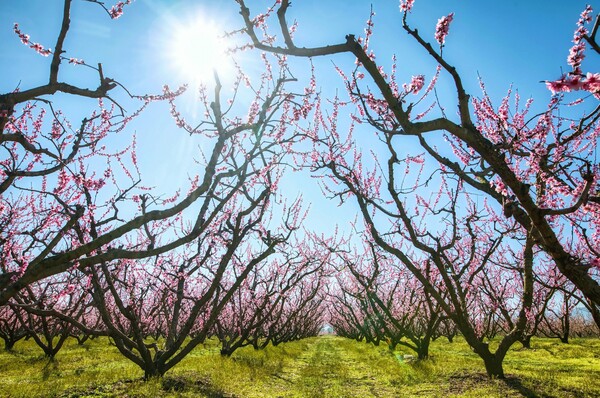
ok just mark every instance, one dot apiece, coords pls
pixel 204 387
pixel 462 382
pixel 175 384
pixel 50 369
pixel 98 390
pixel 514 383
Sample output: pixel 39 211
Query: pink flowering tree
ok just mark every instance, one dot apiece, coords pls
pixel 50 162
pixel 447 254
pixel 177 272
pixel 582 326
pixel 390 299
pixel 11 330
pixel 446 237
pixel 557 320
pixel 536 168
pixel 265 300
pixel 302 310
pixel 159 309
pixel 577 79
pixel 567 312
pixel 350 316
pixel 37 139
pixel 499 295
pixel 299 313
pixel 38 305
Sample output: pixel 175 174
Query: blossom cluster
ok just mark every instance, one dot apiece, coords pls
pixel 36 46
pixel 406 5
pixel 590 82
pixel 117 10
pixel 416 84
pixel 576 54
pixel 576 80
pixel 442 27
pixel 170 97
pixel 369 29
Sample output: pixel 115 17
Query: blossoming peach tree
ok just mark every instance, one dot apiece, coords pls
pixel 74 208
pixel 535 173
pixel 54 170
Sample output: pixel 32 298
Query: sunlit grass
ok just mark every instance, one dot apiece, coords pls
pixel 326 366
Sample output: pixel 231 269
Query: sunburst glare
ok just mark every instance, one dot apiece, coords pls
pixel 196 48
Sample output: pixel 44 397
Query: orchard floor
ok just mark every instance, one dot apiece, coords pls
pixel 325 366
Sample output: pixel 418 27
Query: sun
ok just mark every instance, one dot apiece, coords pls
pixel 197 48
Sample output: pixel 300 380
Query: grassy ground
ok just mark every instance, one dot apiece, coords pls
pixel 325 366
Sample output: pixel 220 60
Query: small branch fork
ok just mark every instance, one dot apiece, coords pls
pixel 10 100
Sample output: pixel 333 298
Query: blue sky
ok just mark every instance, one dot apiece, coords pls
pixel 506 42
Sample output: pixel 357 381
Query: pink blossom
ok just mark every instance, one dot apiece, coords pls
pixel 586 15
pixel 576 54
pixel 56 129
pixel 40 49
pixel 416 84
pixel 25 40
pixel 591 82
pixel 63 181
pixel 441 29
pixel 557 86
pixel 117 10
pixel 406 5
pixel 574 83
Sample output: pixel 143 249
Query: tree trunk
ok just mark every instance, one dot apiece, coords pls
pixel 152 371
pixel 567 328
pixel 8 344
pixel 226 352
pixel 49 353
pixel 492 362
pixel 564 338
pixel 493 366
pixel 423 350
pixel 526 341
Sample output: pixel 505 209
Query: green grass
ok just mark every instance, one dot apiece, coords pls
pixel 325 366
